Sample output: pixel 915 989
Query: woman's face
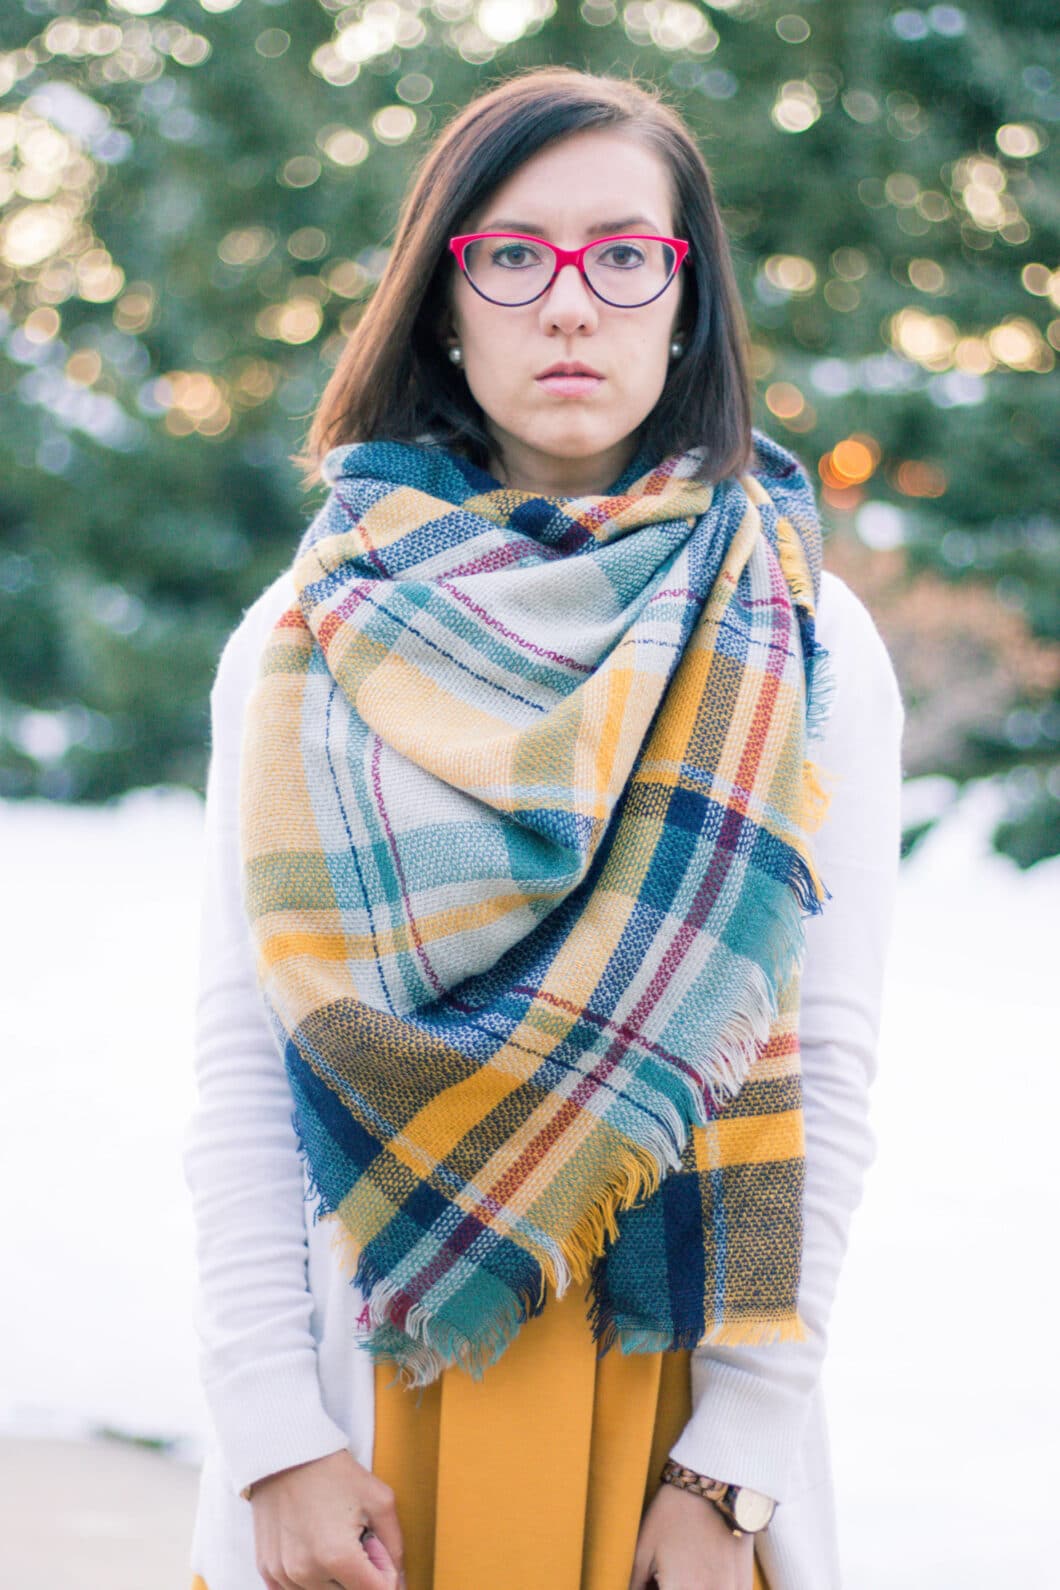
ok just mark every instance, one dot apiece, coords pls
pixel 591 184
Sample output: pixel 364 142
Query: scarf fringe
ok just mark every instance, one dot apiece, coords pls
pixel 322 1208
pixel 724 1333
pixel 426 1344
pixel 808 889
pixel 791 554
pixel 820 690
pixel 816 799
pixel 724 1074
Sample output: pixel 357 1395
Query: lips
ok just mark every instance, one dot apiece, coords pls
pixel 570 379
pixel 570 386
pixel 569 369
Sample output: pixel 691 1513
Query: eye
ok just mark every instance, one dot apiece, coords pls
pixel 624 256
pixel 514 256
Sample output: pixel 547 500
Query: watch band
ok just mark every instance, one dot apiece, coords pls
pixel 688 1480
pixel 745 1511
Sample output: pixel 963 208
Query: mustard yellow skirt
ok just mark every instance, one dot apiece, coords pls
pixel 538 1474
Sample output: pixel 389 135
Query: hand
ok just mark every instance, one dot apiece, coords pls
pixel 308 1522
pixel 687 1545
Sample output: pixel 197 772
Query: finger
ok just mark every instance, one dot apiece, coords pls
pixel 356 1570
pixel 271 1582
pixel 642 1575
pixel 313 1574
pixel 361 1565
pixel 393 1573
pixel 385 1538
pixel 349 1577
pixel 377 1554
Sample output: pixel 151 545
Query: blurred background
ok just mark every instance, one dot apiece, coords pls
pixel 196 198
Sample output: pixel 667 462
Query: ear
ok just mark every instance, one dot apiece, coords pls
pixel 685 319
pixel 445 332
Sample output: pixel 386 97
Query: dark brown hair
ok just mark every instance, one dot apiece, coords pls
pixel 393 381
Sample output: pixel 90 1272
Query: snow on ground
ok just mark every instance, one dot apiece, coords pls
pixel 942 1410
pixel 943 1395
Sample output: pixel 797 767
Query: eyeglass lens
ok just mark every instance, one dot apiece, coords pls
pixel 624 271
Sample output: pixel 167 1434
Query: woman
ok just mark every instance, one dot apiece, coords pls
pixel 535 957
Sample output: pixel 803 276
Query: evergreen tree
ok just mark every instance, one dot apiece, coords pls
pixel 196 197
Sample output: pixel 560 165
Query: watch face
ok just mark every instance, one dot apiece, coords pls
pixel 752 1510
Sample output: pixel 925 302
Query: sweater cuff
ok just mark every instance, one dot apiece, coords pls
pixel 744 1429
pixel 270 1417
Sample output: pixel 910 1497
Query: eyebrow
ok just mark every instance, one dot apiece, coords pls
pixel 595 229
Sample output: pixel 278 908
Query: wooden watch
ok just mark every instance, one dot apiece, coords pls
pixel 746 1512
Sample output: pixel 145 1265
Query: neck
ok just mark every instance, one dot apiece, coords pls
pixel 527 469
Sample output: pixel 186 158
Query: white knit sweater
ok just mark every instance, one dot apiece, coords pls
pixel 285 1381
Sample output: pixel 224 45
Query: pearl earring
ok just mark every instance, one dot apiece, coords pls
pixel 676 349
pixel 456 355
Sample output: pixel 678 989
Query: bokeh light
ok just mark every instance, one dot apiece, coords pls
pixel 784 399
pixel 793 29
pixel 297 320
pixel 928 340
pixel 917 477
pixel 343 146
pixel 193 401
pixel 790 273
pixel 1018 141
pixel 394 124
pixel 854 459
pixel 670 25
pixel 796 107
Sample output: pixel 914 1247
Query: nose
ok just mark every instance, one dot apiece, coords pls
pixel 569 304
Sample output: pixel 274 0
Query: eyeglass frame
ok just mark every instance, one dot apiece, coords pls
pixel 571 256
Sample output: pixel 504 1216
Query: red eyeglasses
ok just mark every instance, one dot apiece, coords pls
pixel 512 268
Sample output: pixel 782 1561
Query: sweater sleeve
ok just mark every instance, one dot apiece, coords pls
pixel 257 1351
pixel 749 1405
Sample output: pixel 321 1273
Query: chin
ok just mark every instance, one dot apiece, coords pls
pixel 570 440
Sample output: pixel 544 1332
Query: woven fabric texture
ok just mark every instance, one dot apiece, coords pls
pixel 526 832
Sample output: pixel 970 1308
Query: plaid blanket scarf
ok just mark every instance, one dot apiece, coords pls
pixel 525 834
